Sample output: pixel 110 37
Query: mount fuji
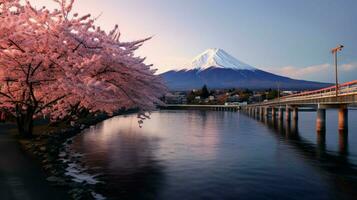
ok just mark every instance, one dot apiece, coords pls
pixel 217 69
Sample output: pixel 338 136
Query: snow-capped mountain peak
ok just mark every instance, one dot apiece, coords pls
pixel 219 70
pixel 217 58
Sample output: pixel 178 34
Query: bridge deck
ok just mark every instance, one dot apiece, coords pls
pixel 347 94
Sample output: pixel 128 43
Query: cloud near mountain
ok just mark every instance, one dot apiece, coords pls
pixel 322 72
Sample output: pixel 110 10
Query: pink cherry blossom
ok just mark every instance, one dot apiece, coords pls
pixel 51 60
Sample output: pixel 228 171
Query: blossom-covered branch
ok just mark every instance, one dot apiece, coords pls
pixel 51 61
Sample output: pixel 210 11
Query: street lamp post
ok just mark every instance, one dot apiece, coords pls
pixel 334 52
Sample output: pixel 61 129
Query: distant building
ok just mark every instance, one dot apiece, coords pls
pixel 233 98
pixel 244 103
pixel 256 98
pixel 175 99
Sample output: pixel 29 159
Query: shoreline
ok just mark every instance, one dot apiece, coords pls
pixel 20 176
pixel 50 149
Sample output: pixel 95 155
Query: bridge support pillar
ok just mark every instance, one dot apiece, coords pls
pixel 295 112
pixel 280 113
pixel 287 113
pixel 266 112
pixel 321 120
pixel 273 114
pixel 294 126
pixel 261 112
pixel 343 119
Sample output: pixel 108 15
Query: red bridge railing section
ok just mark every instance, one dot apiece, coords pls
pixel 343 88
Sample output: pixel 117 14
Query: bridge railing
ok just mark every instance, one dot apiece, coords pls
pixel 344 89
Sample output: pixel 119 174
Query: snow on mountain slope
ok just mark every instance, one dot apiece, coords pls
pixel 217 58
pixel 217 69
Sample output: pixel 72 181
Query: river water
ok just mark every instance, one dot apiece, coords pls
pixel 221 155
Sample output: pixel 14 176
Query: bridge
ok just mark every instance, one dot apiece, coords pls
pixel 321 99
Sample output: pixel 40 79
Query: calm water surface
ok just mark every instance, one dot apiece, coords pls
pixel 221 155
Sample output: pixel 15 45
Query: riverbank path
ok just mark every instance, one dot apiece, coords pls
pixel 21 178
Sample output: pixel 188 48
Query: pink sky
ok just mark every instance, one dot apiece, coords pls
pixel 286 42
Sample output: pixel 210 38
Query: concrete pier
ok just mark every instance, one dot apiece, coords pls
pixel 294 126
pixel 266 111
pixel 287 113
pixel 280 113
pixel 273 113
pixel 266 114
pixel 287 128
pixel 280 127
pixel 321 120
pixel 309 101
pixel 256 112
pixel 295 113
pixel 343 119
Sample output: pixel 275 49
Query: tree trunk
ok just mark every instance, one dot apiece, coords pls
pixel 25 125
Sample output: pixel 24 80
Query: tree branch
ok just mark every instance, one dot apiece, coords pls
pixel 40 108
pixel 14 43
pixel 37 66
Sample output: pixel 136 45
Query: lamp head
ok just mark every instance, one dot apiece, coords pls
pixel 336 49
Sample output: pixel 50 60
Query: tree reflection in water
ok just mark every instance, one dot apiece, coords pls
pixel 131 166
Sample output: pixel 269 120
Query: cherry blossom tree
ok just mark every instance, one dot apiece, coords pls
pixel 52 60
